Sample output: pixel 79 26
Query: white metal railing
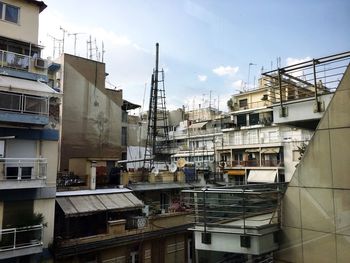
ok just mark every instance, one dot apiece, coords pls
pixel 14 60
pixel 24 103
pixel 23 168
pixel 14 238
pixel 247 140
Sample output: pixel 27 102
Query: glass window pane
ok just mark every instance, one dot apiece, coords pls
pixel 11 13
pixel 1 7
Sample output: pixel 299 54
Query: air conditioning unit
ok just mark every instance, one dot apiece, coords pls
pixel 40 63
pixel 136 222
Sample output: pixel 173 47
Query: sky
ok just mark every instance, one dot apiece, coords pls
pixel 206 46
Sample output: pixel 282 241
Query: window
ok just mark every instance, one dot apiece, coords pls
pixel 124 136
pixel 241 120
pixel 1 8
pixel 243 103
pixel 254 118
pixel 9 13
pixel 296 155
pixel 124 116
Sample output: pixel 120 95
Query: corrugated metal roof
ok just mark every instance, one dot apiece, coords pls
pixel 158 186
pixel 87 204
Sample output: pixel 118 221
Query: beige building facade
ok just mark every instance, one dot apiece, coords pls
pixel 316 206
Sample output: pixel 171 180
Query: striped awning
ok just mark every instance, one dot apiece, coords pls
pixel 262 176
pixel 236 172
pixel 270 150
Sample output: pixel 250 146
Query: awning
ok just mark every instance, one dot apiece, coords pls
pixel 270 150
pixel 198 125
pixel 127 105
pixel 88 204
pixel 255 150
pixel 236 172
pixel 25 86
pixel 262 176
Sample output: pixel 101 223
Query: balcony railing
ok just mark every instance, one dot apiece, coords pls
pixel 251 163
pixel 23 168
pixel 14 60
pixel 21 62
pixel 251 105
pixel 24 104
pixel 16 238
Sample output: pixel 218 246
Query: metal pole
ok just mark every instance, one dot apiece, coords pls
pixel 205 212
pixel 155 99
pixel 280 88
pixel 315 84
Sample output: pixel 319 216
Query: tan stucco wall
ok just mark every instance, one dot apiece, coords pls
pixel 49 150
pixel 47 208
pixel 91 116
pixel 27 28
pixel 316 206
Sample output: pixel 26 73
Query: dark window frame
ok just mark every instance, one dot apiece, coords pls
pixel 9 13
pixel 243 103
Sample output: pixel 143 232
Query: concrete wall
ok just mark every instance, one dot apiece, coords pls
pixel 316 206
pixel 27 28
pixel 301 110
pixel 91 115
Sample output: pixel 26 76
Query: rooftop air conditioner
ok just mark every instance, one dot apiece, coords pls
pixel 40 63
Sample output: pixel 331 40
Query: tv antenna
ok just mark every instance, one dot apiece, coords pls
pixel 64 31
pixel 75 40
pixel 54 39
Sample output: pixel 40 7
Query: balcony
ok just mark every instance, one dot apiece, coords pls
pixel 124 231
pixel 22 173
pixel 24 63
pixel 22 108
pixel 17 242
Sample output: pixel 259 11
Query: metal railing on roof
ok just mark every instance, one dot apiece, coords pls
pixel 307 79
pixel 243 206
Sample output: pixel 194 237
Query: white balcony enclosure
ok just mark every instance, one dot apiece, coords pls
pixel 20 173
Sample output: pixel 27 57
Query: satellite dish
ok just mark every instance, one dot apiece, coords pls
pixel 155 171
pixel 181 163
pixel 172 167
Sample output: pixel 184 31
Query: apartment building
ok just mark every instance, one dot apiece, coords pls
pixel 256 149
pixel 29 134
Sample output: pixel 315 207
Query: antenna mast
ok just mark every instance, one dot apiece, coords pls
pixel 157 130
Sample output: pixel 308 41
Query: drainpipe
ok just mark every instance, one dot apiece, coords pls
pixel 93 175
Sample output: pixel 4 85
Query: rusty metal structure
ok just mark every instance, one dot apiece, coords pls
pixel 311 78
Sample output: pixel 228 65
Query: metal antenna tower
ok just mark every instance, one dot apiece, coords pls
pixel 157 130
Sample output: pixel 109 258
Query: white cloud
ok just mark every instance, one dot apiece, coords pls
pixel 292 61
pixel 237 84
pixel 202 78
pixel 223 71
